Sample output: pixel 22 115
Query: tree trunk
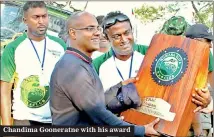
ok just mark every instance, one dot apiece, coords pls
pixel 197 12
pixel 85 5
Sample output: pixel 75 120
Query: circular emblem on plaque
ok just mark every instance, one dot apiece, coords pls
pixel 32 94
pixel 169 66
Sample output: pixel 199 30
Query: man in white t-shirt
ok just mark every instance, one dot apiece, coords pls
pixel 124 59
pixel 27 64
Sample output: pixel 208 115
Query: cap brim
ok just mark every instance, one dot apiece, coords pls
pixel 209 38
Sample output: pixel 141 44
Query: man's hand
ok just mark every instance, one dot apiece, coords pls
pixel 130 80
pixel 208 109
pixel 202 98
pixel 121 117
pixel 149 128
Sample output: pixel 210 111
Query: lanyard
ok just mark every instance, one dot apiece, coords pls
pixel 130 69
pixel 42 63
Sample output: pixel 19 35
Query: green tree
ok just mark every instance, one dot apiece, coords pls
pixel 203 12
pixel 149 13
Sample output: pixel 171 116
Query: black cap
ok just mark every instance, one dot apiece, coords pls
pixel 199 31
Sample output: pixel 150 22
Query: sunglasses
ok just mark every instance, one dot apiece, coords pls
pixel 111 21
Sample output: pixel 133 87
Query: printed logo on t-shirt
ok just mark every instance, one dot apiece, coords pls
pixel 32 94
pixel 55 53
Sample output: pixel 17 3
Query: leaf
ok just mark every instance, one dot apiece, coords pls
pixel 149 13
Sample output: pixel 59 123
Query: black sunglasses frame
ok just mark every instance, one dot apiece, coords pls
pixel 111 21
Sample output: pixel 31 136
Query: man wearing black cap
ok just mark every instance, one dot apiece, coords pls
pixel 199 31
pixel 202 33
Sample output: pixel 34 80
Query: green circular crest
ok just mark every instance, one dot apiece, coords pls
pixel 32 94
pixel 169 66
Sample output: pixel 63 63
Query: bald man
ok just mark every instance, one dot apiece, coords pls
pixel 77 96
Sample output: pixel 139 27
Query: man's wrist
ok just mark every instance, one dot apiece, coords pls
pixel 7 122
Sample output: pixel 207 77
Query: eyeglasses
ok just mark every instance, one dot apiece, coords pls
pixel 91 29
pixel 111 21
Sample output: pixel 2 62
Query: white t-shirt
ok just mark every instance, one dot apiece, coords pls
pixel 20 64
pixel 108 72
pixel 96 54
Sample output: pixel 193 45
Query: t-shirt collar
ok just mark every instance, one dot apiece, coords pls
pixel 79 54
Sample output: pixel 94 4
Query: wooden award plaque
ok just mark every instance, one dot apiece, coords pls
pixel 171 70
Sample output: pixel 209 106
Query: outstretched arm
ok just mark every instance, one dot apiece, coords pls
pixel 6 103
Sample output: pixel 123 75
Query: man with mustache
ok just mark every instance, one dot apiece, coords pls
pixel 27 63
pixel 124 59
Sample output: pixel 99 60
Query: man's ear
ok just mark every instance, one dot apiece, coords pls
pixel 72 33
pixel 24 20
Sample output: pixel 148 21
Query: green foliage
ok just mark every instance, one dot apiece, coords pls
pixel 173 7
pixel 149 13
pixel 203 12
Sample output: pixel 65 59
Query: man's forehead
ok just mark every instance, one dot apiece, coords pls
pixel 85 19
pixel 85 16
pixel 119 27
pixel 37 11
